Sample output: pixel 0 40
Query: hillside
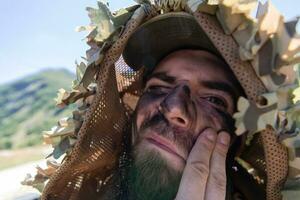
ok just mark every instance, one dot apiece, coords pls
pixel 27 107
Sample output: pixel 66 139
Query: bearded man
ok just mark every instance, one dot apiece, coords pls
pixel 199 110
pixel 183 126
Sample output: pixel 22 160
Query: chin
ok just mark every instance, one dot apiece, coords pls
pixel 154 174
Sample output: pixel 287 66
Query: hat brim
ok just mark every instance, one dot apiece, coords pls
pixel 162 35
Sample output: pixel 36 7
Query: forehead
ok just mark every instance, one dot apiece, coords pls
pixel 189 64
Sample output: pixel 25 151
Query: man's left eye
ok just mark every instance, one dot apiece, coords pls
pixel 217 101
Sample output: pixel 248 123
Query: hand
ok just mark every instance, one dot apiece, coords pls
pixel 204 176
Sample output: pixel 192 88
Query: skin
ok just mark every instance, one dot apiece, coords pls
pixel 184 116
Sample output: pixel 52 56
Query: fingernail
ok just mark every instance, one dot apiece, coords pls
pixel 224 138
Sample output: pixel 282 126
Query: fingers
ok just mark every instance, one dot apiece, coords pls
pixel 216 185
pixel 196 172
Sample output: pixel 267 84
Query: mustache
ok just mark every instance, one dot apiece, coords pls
pixel 154 120
pixel 160 125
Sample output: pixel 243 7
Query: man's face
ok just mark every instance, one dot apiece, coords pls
pixel 187 92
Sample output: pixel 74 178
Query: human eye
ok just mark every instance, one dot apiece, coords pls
pixel 219 102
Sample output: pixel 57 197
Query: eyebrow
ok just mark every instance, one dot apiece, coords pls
pixel 222 86
pixel 162 76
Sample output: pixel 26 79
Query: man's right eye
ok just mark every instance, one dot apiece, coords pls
pixel 157 89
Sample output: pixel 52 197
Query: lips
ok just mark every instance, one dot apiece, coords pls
pixel 164 144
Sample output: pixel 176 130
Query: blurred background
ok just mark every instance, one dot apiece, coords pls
pixel 38 50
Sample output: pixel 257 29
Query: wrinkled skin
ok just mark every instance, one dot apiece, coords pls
pixel 184 123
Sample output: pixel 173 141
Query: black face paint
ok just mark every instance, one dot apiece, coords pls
pixel 154 121
pixel 228 123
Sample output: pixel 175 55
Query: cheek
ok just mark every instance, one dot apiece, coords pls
pixel 146 107
pixel 208 116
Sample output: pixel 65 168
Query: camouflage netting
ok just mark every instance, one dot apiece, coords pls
pixel 262 53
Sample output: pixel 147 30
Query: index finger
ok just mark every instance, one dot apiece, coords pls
pixel 196 171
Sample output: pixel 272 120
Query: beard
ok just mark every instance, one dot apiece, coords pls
pixel 151 176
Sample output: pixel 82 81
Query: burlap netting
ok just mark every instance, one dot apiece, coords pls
pixel 272 163
pixel 100 137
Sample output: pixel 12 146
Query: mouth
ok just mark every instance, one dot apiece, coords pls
pixel 165 145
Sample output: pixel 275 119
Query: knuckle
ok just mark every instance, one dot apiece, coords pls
pixel 200 168
pixel 219 181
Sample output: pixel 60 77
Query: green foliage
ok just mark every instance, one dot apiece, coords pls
pixel 5 143
pixel 27 107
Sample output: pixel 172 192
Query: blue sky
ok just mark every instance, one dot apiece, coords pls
pixel 38 34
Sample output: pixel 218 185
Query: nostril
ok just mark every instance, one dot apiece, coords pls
pixel 180 120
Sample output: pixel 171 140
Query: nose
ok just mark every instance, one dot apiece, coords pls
pixel 175 106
